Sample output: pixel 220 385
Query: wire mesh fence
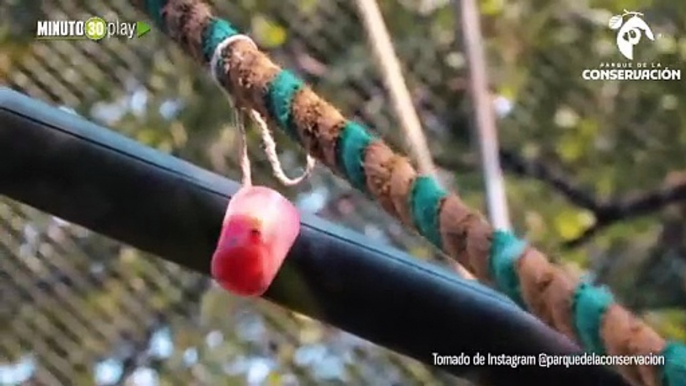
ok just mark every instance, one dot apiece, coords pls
pixel 77 308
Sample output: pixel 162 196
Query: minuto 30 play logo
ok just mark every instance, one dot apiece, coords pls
pixel 94 28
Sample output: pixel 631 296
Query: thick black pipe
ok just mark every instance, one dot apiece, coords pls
pixel 83 173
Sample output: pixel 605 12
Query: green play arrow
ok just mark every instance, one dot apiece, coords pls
pixel 142 28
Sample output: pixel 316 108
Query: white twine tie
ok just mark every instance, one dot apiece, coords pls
pixel 265 133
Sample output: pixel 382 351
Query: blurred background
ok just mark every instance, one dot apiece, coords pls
pixel 595 175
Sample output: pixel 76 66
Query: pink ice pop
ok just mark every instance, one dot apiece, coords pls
pixel 259 229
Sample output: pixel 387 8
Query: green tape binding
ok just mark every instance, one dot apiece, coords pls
pixel 216 32
pixel 674 371
pixel 590 304
pixel 279 100
pixel 425 199
pixel 154 9
pixel 506 250
pixel 352 144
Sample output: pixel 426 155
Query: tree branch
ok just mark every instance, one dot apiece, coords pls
pixel 632 206
pixel 606 213
pixel 518 165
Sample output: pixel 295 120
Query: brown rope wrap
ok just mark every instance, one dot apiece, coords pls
pixel 186 23
pixel 547 290
pixel 319 125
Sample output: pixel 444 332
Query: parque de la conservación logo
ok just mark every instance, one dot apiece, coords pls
pixel 94 28
pixel 632 30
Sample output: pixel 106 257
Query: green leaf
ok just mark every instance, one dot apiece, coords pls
pixel 569 224
pixel 491 7
pixel 268 32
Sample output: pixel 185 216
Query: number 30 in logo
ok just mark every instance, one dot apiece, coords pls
pixel 96 28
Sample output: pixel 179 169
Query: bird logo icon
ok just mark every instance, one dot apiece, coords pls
pixel 629 32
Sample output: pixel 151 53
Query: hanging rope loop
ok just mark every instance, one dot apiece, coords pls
pixel 217 67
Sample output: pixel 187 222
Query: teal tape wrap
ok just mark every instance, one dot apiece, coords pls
pixel 154 9
pixel 674 371
pixel 506 249
pixel 590 303
pixel 215 32
pixel 425 199
pixel 279 101
pixel 352 143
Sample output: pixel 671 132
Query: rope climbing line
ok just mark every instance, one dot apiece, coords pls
pixel 382 47
pixel 583 312
pixel 389 66
pixel 483 113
